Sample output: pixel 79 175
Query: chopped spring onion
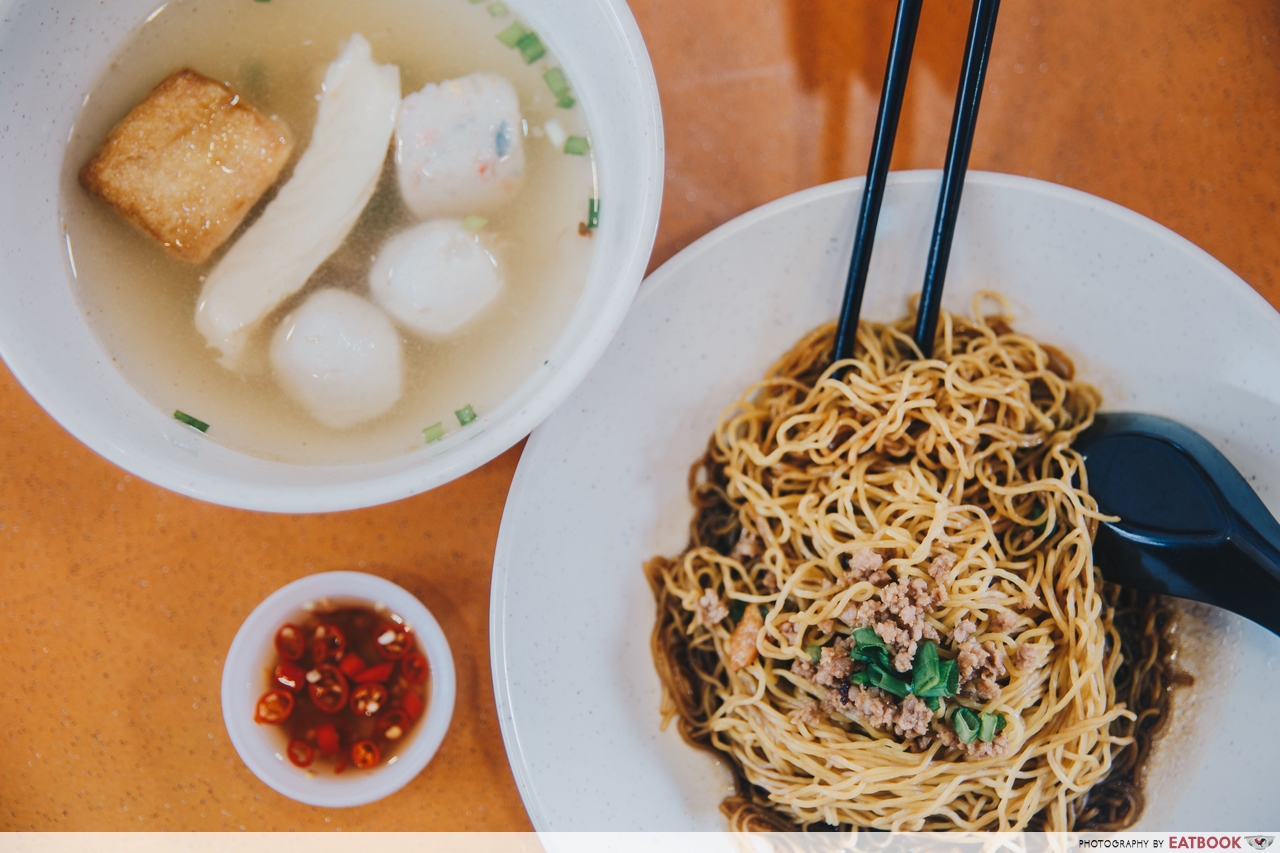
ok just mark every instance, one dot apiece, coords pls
pixel 559 87
pixel 556 134
pixel 868 637
pixel 988 725
pixel 966 724
pixel 593 212
pixel 435 432
pixel 474 222
pixel 814 653
pixel 737 609
pixel 473 2
pixel 530 47
pixel 932 676
pixel 466 414
pixel 556 81
pixel 497 10
pixel 511 35
pixel 190 421
pixel 576 145
pixel 925 672
pixel 881 678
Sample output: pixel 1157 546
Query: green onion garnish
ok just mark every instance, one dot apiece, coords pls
pixel 888 683
pixel 576 145
pixel 737 609
pixel 511 35
pixel 473 2
pixel 593 212
pixel 870 648
pixel 531 48
pixel 926 674
pixel 814 653
pixel 474 222
pixel 556 81
pixel 497 10
pixel 966 724
pixel 932 676
pixel 466 414
pixel 565 102
pixel 187 419
pixel 988 725
pixel 868 637
pixel 435 432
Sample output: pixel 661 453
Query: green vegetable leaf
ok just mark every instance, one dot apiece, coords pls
pixel 814 653
pixel 933 702
pixel 966 724
pixel 565 102
pixel 1001 722
pixel 736 609
pixel 576 145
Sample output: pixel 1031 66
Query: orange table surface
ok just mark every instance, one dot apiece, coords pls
pixel 118 600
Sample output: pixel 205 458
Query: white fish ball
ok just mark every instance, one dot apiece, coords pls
pixel 339 356
pixel 435 277
pixel 460 146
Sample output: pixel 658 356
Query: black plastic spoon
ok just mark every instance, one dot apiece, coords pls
pixel 1190 526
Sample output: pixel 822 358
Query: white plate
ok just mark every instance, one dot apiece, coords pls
pixel 1155 322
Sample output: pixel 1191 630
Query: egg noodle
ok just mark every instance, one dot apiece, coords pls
pixel 953 478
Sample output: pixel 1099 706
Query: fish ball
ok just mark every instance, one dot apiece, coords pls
pixel 339 356
pixel 435 277
pixel 460 146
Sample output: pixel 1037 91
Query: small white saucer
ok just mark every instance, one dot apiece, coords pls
pixel 252 652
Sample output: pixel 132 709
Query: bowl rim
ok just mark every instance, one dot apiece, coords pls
pixel 344 487
pixel 257 633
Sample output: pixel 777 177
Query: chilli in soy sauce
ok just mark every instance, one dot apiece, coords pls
pixel 347 687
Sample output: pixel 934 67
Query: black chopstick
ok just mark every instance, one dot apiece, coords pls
pixel 895 85
pixel 982 27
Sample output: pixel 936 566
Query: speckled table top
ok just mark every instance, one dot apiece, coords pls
pixel 118 600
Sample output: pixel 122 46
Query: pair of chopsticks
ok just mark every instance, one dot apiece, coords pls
pixel 982 27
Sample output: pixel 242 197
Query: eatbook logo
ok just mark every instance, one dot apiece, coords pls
pixel 1260 842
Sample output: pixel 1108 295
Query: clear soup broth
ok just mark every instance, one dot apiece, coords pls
pixel 141 303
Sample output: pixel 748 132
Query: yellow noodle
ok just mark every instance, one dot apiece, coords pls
pixel 968 452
